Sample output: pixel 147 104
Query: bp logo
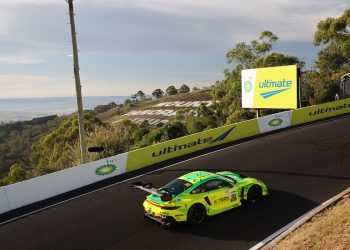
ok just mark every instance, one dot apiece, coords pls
pixel 248 86
pixel 275 122
pixel 105 169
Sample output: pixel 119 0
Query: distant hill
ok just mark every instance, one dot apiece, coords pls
pixel 157 111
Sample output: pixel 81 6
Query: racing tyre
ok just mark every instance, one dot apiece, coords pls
pixel 254 194
pixel 196 214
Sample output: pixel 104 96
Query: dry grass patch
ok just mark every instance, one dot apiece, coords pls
pixel 117 113
pixel 327 230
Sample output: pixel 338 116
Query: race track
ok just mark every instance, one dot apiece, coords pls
pixel 302 168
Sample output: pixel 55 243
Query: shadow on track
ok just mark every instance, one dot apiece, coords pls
pixel 251 222
pixel 241 171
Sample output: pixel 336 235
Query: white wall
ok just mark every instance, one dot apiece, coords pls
pixel 275 121
pixel 46 186
pixel 4 206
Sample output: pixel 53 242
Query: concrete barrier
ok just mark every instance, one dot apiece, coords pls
pixel 46 186
pixel 4 205
pixel 275 121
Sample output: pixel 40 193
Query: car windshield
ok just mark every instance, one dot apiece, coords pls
pixel 177 186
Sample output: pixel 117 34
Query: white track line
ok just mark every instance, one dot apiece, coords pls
pixel 213 152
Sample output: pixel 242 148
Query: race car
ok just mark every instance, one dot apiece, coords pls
pixel 196 195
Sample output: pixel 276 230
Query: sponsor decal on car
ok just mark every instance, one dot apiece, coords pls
pixel 221 200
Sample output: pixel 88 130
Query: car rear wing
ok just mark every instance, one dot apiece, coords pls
pixel 147 187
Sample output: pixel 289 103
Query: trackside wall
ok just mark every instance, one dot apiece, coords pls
pixel 4 205
pixel 181 146
pixel 27 192
pixel 321 111
pixel 46 186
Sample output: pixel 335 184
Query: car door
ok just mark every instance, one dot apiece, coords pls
pixel 221 194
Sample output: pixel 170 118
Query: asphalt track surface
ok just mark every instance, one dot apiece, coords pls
pixel 302 168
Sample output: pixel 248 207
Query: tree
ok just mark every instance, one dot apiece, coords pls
pixel 102 108
pixel 204 111
pixel 184 89
pixel 49 153
pixel 333 60
pixel 141 94
pixel 127 102
pixel 158 93
pixel 195 89
pixel 171 90
pixel 256 54
pixel 142 130
pixel 16 174
pixel 335 34
pixel 167 132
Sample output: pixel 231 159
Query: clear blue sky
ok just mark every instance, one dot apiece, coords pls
pixel 128 45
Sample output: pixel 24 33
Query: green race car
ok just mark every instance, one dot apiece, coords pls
pixel 196 195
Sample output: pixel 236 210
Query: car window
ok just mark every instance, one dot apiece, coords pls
pixel 177 186
pixel 199 189
pixel 210 186
pixel 216 184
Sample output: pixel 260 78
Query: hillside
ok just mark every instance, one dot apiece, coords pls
pixel 157 111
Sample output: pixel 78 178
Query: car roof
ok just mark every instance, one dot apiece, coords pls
pixel 197 176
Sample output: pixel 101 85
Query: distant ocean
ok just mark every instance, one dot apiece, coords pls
pixel 23 109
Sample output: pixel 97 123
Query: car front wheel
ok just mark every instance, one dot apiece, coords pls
pixel 196 214
pixel 254 194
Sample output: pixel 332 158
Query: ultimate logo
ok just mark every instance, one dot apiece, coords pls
pixel 275 122
pixel 105 169
pixel 282 84
pixel 171 149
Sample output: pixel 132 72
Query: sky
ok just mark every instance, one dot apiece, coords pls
pixel 130 45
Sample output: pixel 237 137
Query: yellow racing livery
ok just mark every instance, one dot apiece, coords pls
pixel 196 195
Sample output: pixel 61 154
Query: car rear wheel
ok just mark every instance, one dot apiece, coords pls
pixel 254 194
pixel 196 214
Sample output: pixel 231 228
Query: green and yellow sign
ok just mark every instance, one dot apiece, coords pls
pixel 274 87
pixel 320 111
pixel 189 144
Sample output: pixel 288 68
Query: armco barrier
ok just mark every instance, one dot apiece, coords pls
pixel 4 205
pixel 46 186
pixel 321 111
pixel 188 144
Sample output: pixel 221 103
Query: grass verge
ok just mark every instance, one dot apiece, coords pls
pixel 327 230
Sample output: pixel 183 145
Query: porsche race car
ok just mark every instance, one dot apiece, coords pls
pixel 196 195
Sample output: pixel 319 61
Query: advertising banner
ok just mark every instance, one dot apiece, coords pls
pixel 46 186
pixel 274 87
pixel 188 144
pixel 320 111
pixel 276 121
